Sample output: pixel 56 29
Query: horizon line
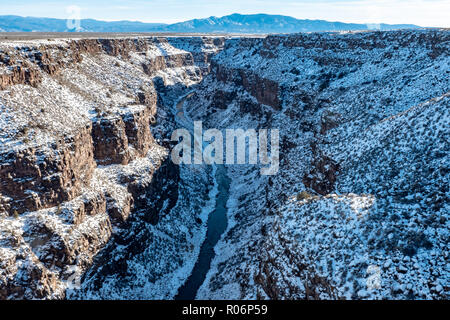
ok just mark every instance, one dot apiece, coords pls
pixel 236 13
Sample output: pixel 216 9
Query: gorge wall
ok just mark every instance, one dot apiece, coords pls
pixel 77 153
pixel 359 207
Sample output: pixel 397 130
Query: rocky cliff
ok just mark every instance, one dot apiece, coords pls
pixel 359 208
pixel 77 152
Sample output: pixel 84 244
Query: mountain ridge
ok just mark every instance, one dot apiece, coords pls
pixel 234 23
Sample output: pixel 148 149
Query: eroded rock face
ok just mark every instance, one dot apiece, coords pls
pixel 33 179
pixel 76 161
pixel 19 74
pixel 111 141
pixel 115 135
pixel 202 58
pixel 323 174
pixel 48 251
pixel 151 66
pixel 32 281
pixel 21 64
pixel 360 166
pixel 138 130
pixel 265 91
pixel 164 183
pixel 221 99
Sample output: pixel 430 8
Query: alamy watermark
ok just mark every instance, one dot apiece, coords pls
pixel 73 22
pixel 374 277
pixel 208 147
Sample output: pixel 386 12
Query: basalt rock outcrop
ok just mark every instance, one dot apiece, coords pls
pixel 356 210
pixel 209 47
pixel 78 156
pixel 264 90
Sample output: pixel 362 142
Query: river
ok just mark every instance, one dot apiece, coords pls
pixel 216 225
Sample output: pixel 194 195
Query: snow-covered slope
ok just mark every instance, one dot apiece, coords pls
pixel 359 208
pixel 81 170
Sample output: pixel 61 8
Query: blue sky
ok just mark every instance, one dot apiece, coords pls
pixel 421 12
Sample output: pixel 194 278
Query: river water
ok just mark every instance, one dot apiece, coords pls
pixel 216 225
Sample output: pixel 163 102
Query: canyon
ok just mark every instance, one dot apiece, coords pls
pixel 92 207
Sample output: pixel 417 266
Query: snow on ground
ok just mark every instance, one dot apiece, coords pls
pixel 62 104
pixel 375 104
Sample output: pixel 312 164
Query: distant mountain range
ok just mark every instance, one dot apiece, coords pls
pixel 32 24
pixel 234 23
